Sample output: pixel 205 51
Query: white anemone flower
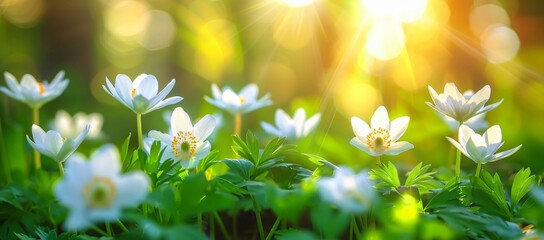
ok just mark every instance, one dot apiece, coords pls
pixel 477 122
pixel 141 95
pixel 70 127
pixel 481 148
pixel 350 192
pixel 453 104
pixel 238 103
pixel 185 144
pixel 294 128
pixel 381 136
pixel 53 144
pixel 32 92
pixel 95 190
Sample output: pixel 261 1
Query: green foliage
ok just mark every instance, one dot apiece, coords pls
pixel 388 179
pixel 523 182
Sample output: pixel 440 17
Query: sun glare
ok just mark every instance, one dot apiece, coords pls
pixel 296 3
pixel 400 10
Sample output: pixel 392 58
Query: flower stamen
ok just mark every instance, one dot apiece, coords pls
pixel 99 192
pixel 133 93
pixel 378 140
pixel 183 145
pixel 242 99
pixel 41 88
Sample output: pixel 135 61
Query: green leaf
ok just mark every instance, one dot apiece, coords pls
pixel 239 170
pixel 449 195
pixel 329 221
pixel 422 179
pixel 387 175
pixel 208 161
pixel 523 182
pixel 155 154
pixel 488 194
pixel 294 234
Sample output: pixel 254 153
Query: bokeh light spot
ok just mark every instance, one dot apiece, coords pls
pixel 500 43
pixel 160 31
pixel 385 40
pixel 354 97
pixel 296 3
pixel 22 13
pixel 401 10
pixel 126 18
pixel 485 15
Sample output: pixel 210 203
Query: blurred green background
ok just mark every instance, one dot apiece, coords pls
pixel 329 56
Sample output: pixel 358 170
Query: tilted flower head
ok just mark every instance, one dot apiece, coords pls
pixel 95 190
pixel 70 127
pixel 186 144
pixel 32 92
pixel 348 191
pixel 453 104
pixel 381 136
pixel 292 128
pixel 141 95
pixel 477 122
pixel 53 144
pixel 238 103
pixel 482 148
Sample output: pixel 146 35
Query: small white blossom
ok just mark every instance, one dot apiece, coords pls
pixel 350 192
pixel 477 122
pixel 481 148
pixel 53 144
pixel 32 92
pixel 381 136
pixel 70 127
pixel 294 128
pixel 185 143
pixel 142 95
pixel 453 104
pixel 95 190
pixel 238 103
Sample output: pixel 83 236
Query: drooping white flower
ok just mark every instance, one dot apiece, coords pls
pixel 477 122
pixel 70 127
pixel 95 190
pixel 141 95
pixel 381 136
pixel 350 192
pixel 292 128
pixel 453 104
pixel 238 103
pixel 482 148
pixel 32 92
pixel 53 144
pixel 185 144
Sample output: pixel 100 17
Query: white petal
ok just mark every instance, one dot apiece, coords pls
pixel 180 121
pixel 146 85
pixel 231 98
pixel 162 94
pixel 77 220
pixel 38 134
pixel 64 123
pixel 493 135
pixel 298 119
pixel 250 92
pixel 11 81
pixel 58 78
pixel 380 118
pixel 475 149
pixel 398 127
pixel 458 146
pixel 481 96
pixel 271 129
pixel 123 87
pixel 164 138
pixel 105 161
pixel 132 188
pixel 202 150
pixel 489 107
pixel 53 143
pixel 204 128
pixel 434 95
pixel 164 103
pixel 451 90
pixel 216 92
pixel 311 124
pixel 360 128
pixel 398 147
pixel 283 121
pixel 362 146
pixel 104 214
pixel 465 132
pixel 506 153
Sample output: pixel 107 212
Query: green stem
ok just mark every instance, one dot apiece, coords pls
pixel 258 216
pixel 237 124
pixel 61 168
pixel 274 227
pixel 355 227
pixel 458 165
pixel 97 229
pixel 478 168
pixel 4 160
pixel 199 221
pixel 378 161
pixel 221 225
pixel 212 227
pixel 139 125
pixel 108 229
pixel 36 120
pixel 125 229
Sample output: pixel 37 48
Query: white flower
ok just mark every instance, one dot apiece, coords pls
pixel 186 144
pixel 32 92
pixel 292 128
pixel 95 190
pixel 70 127
pixel 477 122
pixel 453 104
pixel 482 148
pixel 381 137
pixel 141 95
pixel 238 103
pixel 53 144
pixel 349 192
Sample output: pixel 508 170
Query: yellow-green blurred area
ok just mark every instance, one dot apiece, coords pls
pixel 340 58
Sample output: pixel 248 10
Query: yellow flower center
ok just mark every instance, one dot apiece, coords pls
pixel 41 88
pixel 99 192
pixel 378 140
pixel 242 99
pixel 183 145
pixel 132 93
pixel 63 139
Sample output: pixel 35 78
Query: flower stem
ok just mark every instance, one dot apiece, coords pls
pixel 274 227
pixel 36 120
pixel 258 216
pixel 139 125
pixel 108 229
pixel 221 225
pixel 199 221
pixel 378 162
pixel 97 229
pixel 355 227
pixel 237 124
pixel 61 169
pixel 458 165
pixel 478 168
pixel 125 229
